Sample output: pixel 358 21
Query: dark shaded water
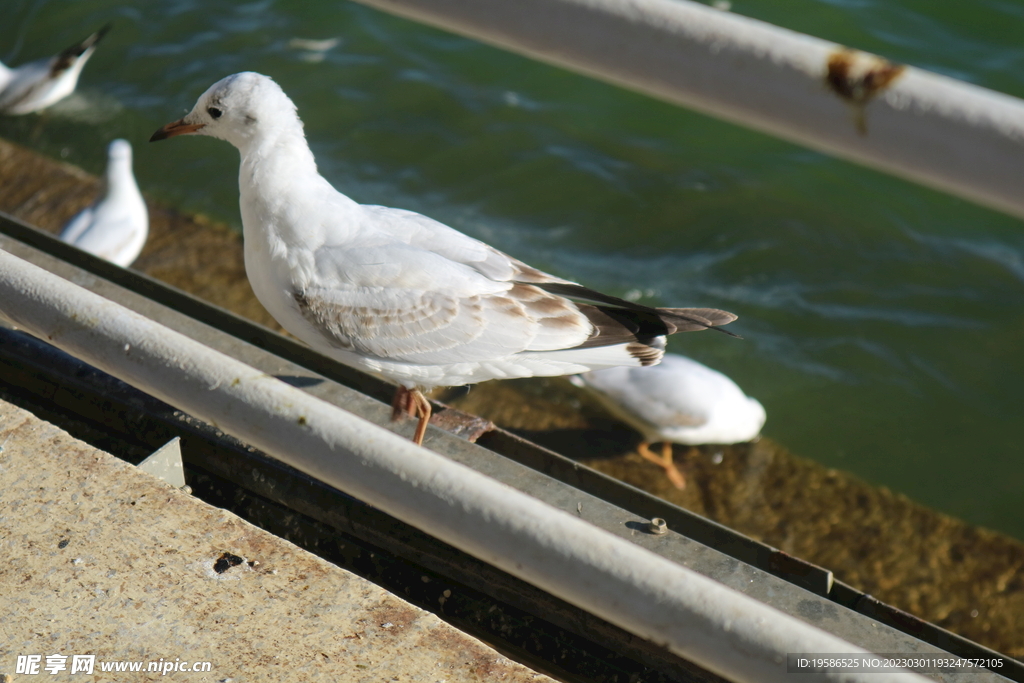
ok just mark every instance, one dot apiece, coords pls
pixel 882 321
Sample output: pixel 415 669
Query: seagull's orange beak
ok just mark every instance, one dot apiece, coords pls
pixel 178 127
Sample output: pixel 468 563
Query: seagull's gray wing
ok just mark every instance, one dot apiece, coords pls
pixel 78 224
pixel 111 238
pixel 610 312
pixel 611 321
pixel 425 233
pixel 399 302
pixel 27 83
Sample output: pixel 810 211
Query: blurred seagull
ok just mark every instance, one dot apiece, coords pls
pixel 678 401
pixel 115 227
pixel 39 84
pixel 396 293
pixel 314 51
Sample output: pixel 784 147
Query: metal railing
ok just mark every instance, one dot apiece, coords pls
pixel 937 131
pixel 695 617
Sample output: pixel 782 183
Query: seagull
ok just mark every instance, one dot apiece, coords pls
pixel 39 84
pixel 115 227
pixel 677 401
pixel 398 294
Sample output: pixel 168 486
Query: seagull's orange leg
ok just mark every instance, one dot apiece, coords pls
pixel 424 410
pixel 664 462
pixel 413 403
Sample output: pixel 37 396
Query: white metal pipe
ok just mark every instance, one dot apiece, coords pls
pixel 648 595
pixel 943 133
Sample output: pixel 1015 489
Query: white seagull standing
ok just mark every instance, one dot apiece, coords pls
pixel 39 84
pixel 396 293
pixel 678 401
pixel 115 227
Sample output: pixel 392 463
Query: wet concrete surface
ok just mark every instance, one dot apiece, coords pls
pixel 963 578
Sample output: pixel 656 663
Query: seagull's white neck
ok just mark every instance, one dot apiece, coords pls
pixel 119 178
pixel 278 182
pixel 279 147
pixel 279 190
pixel 276 163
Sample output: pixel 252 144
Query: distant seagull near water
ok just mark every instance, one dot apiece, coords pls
pixel 678 401
pixel 398 294
pixel 36 85
pixel 115 227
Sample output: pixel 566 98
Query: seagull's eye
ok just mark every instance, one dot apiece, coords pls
pixel 214 112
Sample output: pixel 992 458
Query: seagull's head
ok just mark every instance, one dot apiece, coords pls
pixel 235 109
pixel 119 150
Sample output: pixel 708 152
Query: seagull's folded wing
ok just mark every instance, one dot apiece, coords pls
pixel 27 84
pixel 402 303
pixel 425 233
pixel 77 226
pixel 651 396
pixel 113 238
pixel 667 410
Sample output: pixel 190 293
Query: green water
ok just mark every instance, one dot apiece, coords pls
pixel 882 322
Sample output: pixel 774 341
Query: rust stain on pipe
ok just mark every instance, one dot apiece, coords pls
pixel 856 77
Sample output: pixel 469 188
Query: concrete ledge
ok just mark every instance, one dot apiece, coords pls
pixel 103 559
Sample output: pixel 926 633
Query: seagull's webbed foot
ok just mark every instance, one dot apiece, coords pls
pixel 413 403
pixel 664 461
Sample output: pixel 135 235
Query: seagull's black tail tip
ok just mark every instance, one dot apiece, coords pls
pixel 102 32
pixel 724 331
pixel 96 37
pixel 694 319
pixel 79 49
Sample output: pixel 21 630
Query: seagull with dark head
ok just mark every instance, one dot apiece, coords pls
pixel 398 294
